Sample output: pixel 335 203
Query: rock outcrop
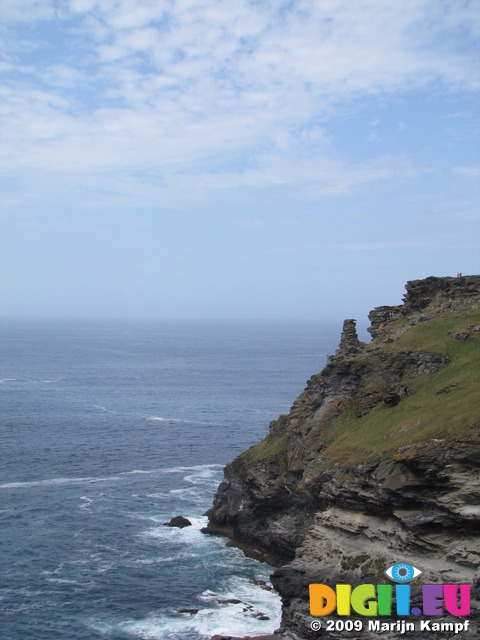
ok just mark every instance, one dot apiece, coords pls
pixel 178 521
pixel 377 462
pixel 350 345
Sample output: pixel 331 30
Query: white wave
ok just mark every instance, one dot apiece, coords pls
pixel 148 629
pixel 176 420
pixel 187 535
pixel 43 483
pixel 198 467
pixel 206 623
pixel 86 502
pixel 235 620
pixel 104 567
pixel 231 617
pixel 198 523
pixel 171 420
pixel 138 472
pixel 55 571
pixel 163 559
pixel 32 380
pixel 82 480
pixel 202 472
pixel 209 596
pixel 189 497
pixel 55 482
pixel 102 408
pixel 157 628
pixel 61 581
pixel 250 611
pixel 200 476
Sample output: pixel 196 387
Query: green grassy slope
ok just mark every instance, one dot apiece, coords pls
pixel 443 404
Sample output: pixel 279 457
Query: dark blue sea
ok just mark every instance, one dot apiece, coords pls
pixel 110 428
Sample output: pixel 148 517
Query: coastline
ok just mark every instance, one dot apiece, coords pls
pixel 329 507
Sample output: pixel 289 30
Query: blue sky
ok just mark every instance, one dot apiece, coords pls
pixel 290 160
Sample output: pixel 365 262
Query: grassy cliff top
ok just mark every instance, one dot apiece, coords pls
pixel 417 381
pixel 442 404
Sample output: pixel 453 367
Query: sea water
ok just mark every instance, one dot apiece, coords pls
pixel 110 428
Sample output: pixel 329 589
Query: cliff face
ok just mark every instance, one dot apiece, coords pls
pixel 377 462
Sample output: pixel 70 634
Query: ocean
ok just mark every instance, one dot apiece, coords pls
pixel 110 428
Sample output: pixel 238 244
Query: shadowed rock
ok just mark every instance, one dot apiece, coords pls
pixel 403 494
pixel 178 521
pixel 350 345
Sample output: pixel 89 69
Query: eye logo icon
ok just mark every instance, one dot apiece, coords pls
pixel 402 572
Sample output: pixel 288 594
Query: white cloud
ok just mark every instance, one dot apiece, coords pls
pixel 26 10
pixel 236 92
pixel 468 172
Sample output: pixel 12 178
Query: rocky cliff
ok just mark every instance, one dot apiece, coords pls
pixel 377 462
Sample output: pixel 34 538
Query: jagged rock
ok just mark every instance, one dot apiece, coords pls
pixel 298 502
pixel 350 345
pixel 394 396
pixel 425 299
pixel 440 294
pixel 178 521
pixel 460 336
pixel 191 612
pixel 447 389
pixel 229 601
pixel 261 583
pixel 380 317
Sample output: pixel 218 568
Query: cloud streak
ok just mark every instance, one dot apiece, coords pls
pixel 235 93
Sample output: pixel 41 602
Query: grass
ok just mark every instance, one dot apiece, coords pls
pixel 266 449
pixel 443 405
pixel 426 414
pixel 350 563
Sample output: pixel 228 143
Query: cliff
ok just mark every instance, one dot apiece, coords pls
pixel 377 461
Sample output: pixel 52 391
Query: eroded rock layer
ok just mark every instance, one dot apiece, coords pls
pixel 377 462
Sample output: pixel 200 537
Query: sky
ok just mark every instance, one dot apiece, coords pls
pixel 241 159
